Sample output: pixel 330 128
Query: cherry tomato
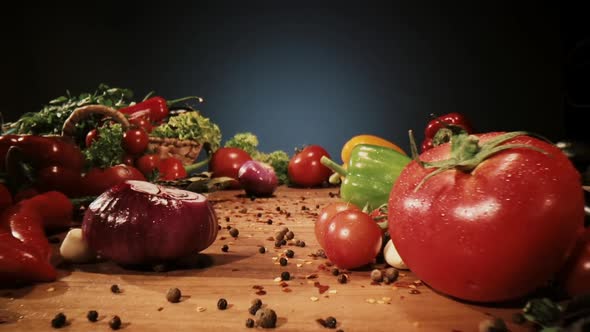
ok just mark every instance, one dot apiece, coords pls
pixel 91 136
pixel 59 178
pixel 227 162
pixel 135 141
pixel 128 160
pixel 99 180
pixel 352 239
pixel 171 169
pixel 327 213
pixel 305 169
pixel 147 164
pixel 495 233
pixel 576 273
pixel 141 122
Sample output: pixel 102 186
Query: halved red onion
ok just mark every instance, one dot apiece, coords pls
pixel 138 222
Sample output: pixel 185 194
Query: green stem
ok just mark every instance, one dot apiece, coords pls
pixel 151 93
pixel 176 101
pixel 383 225
pixel 414 148
pixel 194 167
pixel 333 166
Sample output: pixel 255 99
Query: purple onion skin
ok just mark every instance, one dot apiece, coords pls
pixel 257 179
pixel 137 222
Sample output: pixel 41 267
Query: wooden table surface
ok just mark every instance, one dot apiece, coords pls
pixel 237 275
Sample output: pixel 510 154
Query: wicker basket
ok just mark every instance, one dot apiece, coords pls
pixel 185 150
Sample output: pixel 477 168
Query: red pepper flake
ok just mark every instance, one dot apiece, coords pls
pixel 283 284
pixel 287 290
pixel 222 238
pixel 404 284
pixel 270 238
pixel 321 288
pixel 418 282
pixel 258 287
pixel 414 291
pixel 311 276
pixel 402 297
pixel 322 267
pixel 261 292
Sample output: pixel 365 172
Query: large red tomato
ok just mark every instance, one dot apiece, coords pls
pixel 327 213
pixel 99 180
pixel 305 169
pixel 227 162
pixel 495 233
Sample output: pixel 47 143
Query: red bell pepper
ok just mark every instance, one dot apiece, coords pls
pixel 26 253
pixel 155 108
pixel 440 129
pixel 57 162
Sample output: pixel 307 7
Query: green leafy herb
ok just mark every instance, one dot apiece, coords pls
pixel 279 159
pixel 50 119
pixel 190 126
pixel 106 151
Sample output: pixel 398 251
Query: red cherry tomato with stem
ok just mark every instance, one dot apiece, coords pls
pixel 171 169
pixel 147 164
pixel 135 141
pixel 91 136
pixel 305 169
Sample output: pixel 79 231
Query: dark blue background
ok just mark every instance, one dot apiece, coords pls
pixel 305 72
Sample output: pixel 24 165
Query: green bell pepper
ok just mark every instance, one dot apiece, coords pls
pixel 370 174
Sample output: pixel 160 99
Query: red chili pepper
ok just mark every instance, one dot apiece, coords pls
pixel 155 107
pixel 26 253
pixel 440 129
pixel 5 197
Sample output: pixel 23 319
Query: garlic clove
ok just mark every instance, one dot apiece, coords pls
pixel 392 257
pixel 75 249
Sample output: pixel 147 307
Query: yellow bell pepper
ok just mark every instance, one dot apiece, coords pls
pixel 366 139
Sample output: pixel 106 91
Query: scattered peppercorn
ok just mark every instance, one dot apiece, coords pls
pixel 249 323
pixel 227 219
pixel 288 214
pixel 262 250
pixel 289 253
pixel 278 208
pixel 173 295
pixel 331 322
pixel 259 214
pixel 252 198
pixel 283 242
pixel 303 208
pixel 115 323
pixel 493 325
pixel 278 244
pixel 343 278
pixel 279 236
pixel 285 275
pixel 92 315
pixel 218 227
pixel 115 289
pixel 228 227
pixel 222 304
pixel 301 243
pixel 335 272
pixel 257 302
pixel 225 248
pixel 266 318
pixel 58 321
pixel 390 275
pixel 234 232
pixel 253 309
pixel 377 275
pixel 289 235
pixel 283 261
pixel 269 221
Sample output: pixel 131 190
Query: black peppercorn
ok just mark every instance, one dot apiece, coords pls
pixel 225 248
pixel 259 214
pixel 253 309
pixel 252 198
pixel 343 278
pixel 390 275
pixel 377 275
pixel 262 250
pixel 266 318
pixel 278 208
pixel 257 303
pixel 59 321
pixel 249 323
pixel 92 315
pixel 234 232
pixel 285 275
pixel 222 304
pixel 283 261
pixel 269 221
pixel 289 253
pixel 331 322
pixel 227 219
pixel 173 295
pixel 115 323
pixel 283 242
pixel 289 235
pixel 115 289
pixel 278 244
pixel 279 236
pixel 335 272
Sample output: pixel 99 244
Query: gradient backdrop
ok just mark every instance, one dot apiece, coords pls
pixel 305 72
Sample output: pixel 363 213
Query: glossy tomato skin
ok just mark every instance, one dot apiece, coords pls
pixel 305 169
pixel 91 136
pixel 147 164
pixel 98 180
pixel 135 141
pixel 494 234
pixel 59 178
pixel 576 274
pixel 352 239
pixel 171 169
pixel 227 162
pixel 142 122
pixel 327 213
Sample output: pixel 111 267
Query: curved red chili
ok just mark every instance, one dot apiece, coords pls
pixel 439 130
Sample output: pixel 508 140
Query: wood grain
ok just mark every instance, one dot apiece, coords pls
pixel 357 305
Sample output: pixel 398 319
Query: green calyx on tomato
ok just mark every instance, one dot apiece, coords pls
pixel 466 152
